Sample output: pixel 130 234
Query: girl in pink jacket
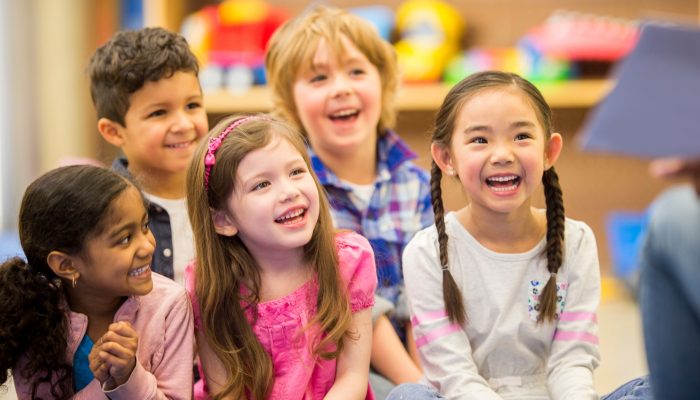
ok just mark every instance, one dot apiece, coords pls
pixel 84 317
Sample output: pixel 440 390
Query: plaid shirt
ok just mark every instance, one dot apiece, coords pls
pixel 399 207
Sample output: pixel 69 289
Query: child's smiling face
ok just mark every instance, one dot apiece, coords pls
pixel 499 149
pixel 117 261
pixel 339 100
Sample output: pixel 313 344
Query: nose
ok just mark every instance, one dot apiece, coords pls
pixel 288 191
pixel 147 245
pixel 182 122
pixel 502 153
pixel 341 86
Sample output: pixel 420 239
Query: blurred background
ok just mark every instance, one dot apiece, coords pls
pixel 568 48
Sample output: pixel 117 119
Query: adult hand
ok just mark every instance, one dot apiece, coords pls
pixel 118 352
pixel 675 167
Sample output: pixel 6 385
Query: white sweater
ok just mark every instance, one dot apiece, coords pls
pixel 501 352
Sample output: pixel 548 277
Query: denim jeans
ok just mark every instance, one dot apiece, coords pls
pixel 636 389
pixel 410 391
pixel 670 295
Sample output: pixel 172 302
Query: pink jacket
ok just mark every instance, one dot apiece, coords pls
pixel 163 320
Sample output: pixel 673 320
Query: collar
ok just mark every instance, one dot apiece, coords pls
pixel 392 152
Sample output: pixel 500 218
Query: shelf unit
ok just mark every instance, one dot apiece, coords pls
pixel 418 97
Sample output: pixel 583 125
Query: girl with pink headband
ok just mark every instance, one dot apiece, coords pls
pixel 282 301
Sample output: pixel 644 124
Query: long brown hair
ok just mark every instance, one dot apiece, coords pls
pixel 292 48
pixel 442 136
pixel 225 266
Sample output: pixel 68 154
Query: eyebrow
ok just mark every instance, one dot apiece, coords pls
pixel 514 125
pixel 128 227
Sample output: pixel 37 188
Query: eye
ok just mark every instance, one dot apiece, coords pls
pixel 297 171
pixel 125 240
pixel 357 71
pixel 523 136
pixel 261 185
pixel 146 226
pixel 156 113
pixel 318 78
pixel 193 105
pixel 478 140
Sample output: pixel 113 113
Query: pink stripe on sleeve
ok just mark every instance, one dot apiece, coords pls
pixel 428 316
pixel 436 334
pixel 578 316
pixel 576 336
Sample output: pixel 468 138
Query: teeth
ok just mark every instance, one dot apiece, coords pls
pixel 502 178
pixel 344 113
pixel 291 215
pixel 139 271
pixel 178 145
pixel 504 188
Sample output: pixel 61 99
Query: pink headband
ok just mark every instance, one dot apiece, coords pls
pixel 215 143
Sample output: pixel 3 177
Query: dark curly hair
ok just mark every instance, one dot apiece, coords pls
pixel 129 60
pixel 59 211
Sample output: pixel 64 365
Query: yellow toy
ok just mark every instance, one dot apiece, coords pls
pixel 430 32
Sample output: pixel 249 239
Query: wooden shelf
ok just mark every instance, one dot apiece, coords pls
pixel 419 97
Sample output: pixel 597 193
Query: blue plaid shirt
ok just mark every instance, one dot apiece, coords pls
pixel 399 207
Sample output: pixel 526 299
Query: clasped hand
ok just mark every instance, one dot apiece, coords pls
pixel 113 357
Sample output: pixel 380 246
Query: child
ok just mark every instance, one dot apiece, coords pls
pixel 85 316
pixel 503 295
pixel 149 103
pixel 333 76
pixel 282 303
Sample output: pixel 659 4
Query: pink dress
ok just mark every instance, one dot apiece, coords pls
pixel 298 374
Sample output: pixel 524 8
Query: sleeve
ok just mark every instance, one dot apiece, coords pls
pixel 443 346
pixel 172 377
pixel 190 287
pixel 574 353
pixel 357 269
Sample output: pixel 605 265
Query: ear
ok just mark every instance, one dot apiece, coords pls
pixel 111 131
pixel 443 158
pixel 552 150
pixel 62 265
pixel 223 223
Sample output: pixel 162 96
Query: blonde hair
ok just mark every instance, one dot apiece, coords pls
pixel 225 266
pixel 292 48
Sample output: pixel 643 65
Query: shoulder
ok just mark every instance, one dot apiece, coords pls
pixel 577 232
pixel 355 257
pixel 352 247
pixel 676 205
pixel 165 291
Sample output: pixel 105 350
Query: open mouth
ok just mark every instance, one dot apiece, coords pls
pixel 292 217
pixel 180 145
pixel 503 183
pixel 140 271
pixel 345 115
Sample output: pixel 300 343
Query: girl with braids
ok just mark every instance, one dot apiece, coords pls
pixel 503 295
pixel 282 302
pixel 84 317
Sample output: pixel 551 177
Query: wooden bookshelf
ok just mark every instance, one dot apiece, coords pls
pixel 418 97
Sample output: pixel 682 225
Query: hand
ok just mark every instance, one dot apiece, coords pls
pixel 99 369
pixel 675 167
pixel 117 353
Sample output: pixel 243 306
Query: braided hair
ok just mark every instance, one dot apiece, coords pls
pixel 442 136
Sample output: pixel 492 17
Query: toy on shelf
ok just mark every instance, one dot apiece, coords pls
pixel 584 37
pixel 229 41
pixel 430 32
pixel 522 60
pixel 381 17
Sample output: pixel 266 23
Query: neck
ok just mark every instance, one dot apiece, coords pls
pixel 279 276
pixel 515 232
pixel 167 186
pixel 95 305
pixel 358 166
